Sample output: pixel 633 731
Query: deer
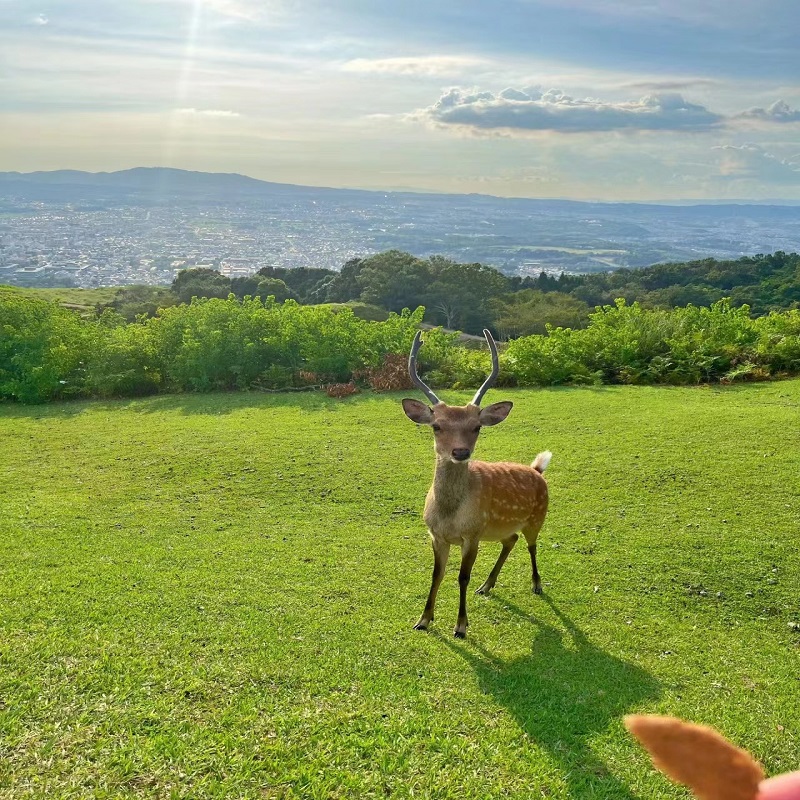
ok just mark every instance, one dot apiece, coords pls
pixel 472 501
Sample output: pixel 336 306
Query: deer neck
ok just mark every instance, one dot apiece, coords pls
pixel 450 484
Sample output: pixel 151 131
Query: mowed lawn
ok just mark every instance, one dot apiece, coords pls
pixel 213 596
pixel 77 298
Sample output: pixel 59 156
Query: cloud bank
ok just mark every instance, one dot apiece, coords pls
pixel 207 112
pixel 529 109
pixel 777 112
pixel 414 65
pixel 753 162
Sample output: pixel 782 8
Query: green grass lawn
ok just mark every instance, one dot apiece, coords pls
pixel 85 299
pixel 213 596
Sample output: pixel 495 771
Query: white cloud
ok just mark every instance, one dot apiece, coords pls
pixel 528 109
pixel 414 65
pixel 673 85
pixel 777 112
pixel 41 19
pixel 753 162
pixel 207 112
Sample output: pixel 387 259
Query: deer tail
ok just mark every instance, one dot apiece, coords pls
pixel 541 461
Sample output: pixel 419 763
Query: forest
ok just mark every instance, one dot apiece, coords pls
pixel 470 297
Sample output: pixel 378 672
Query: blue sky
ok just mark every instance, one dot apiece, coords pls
pixel 586 99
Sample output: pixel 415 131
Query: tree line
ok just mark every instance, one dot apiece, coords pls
pixel 470 297
pixel 763 282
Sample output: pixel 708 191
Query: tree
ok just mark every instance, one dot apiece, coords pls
pixel 394 280
pixel 308 284
pixel 462 295
pixel 131 301
pixel 200 282
pixel 274 287
pixel 248 285
pixel 344 285
pixel 530 311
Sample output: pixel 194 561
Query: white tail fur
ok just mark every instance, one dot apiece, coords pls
pixel 541 461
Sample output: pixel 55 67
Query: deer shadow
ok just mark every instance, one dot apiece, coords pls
pixel 562 694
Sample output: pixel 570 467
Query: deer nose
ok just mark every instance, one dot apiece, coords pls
pixel 460 453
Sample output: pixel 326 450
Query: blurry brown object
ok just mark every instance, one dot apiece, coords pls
pixel 340 389
pixel 391 376
pixel 698 757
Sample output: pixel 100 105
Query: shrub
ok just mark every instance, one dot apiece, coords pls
pixel 43 349
pixel 778 345
pixel 391 376
pixel 628 344
pixel 48 352
pixel 340 390
pixel 125 363
pixel 558 358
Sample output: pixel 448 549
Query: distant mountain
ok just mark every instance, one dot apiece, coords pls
pixel 159 183
pixel 151 183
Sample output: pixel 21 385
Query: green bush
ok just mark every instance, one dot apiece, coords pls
pixel 231 344
pixel 48 352
pixel 44 349
pixel 216 344
pixel 778 345
pixel 551 360
pixel 629 344
pixel 125 362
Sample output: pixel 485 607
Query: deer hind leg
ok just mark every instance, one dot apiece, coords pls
pixel 469 550
pixel 441 552
pixel 531 532
pixel 488 584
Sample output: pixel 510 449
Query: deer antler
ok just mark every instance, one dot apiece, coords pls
pixel 412 370
pixel 476 401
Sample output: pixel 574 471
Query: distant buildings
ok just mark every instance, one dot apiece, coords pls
pixel 63 244
pixel 237 267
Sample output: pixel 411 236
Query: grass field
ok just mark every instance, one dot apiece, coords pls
pixel 212 596
pixel 79 299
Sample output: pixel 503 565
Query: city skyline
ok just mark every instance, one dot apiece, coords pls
pixel 584 99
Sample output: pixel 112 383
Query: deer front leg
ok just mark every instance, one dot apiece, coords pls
pixel 469 550
pixel 488 584
pixel 441 552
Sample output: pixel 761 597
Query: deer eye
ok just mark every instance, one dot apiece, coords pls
pixel 436 428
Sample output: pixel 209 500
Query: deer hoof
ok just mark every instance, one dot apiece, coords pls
pixel 422 625
pixel 537 589
pixel 459 634
pixel 484 589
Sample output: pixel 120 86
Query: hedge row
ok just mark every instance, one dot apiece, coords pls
pixel 48 352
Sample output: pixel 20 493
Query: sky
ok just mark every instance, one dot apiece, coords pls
pixel 636 100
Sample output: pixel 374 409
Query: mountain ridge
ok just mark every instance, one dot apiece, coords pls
pixel 173 181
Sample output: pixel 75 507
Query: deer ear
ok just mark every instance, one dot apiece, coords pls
pixel 495 413
pixel 418 412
